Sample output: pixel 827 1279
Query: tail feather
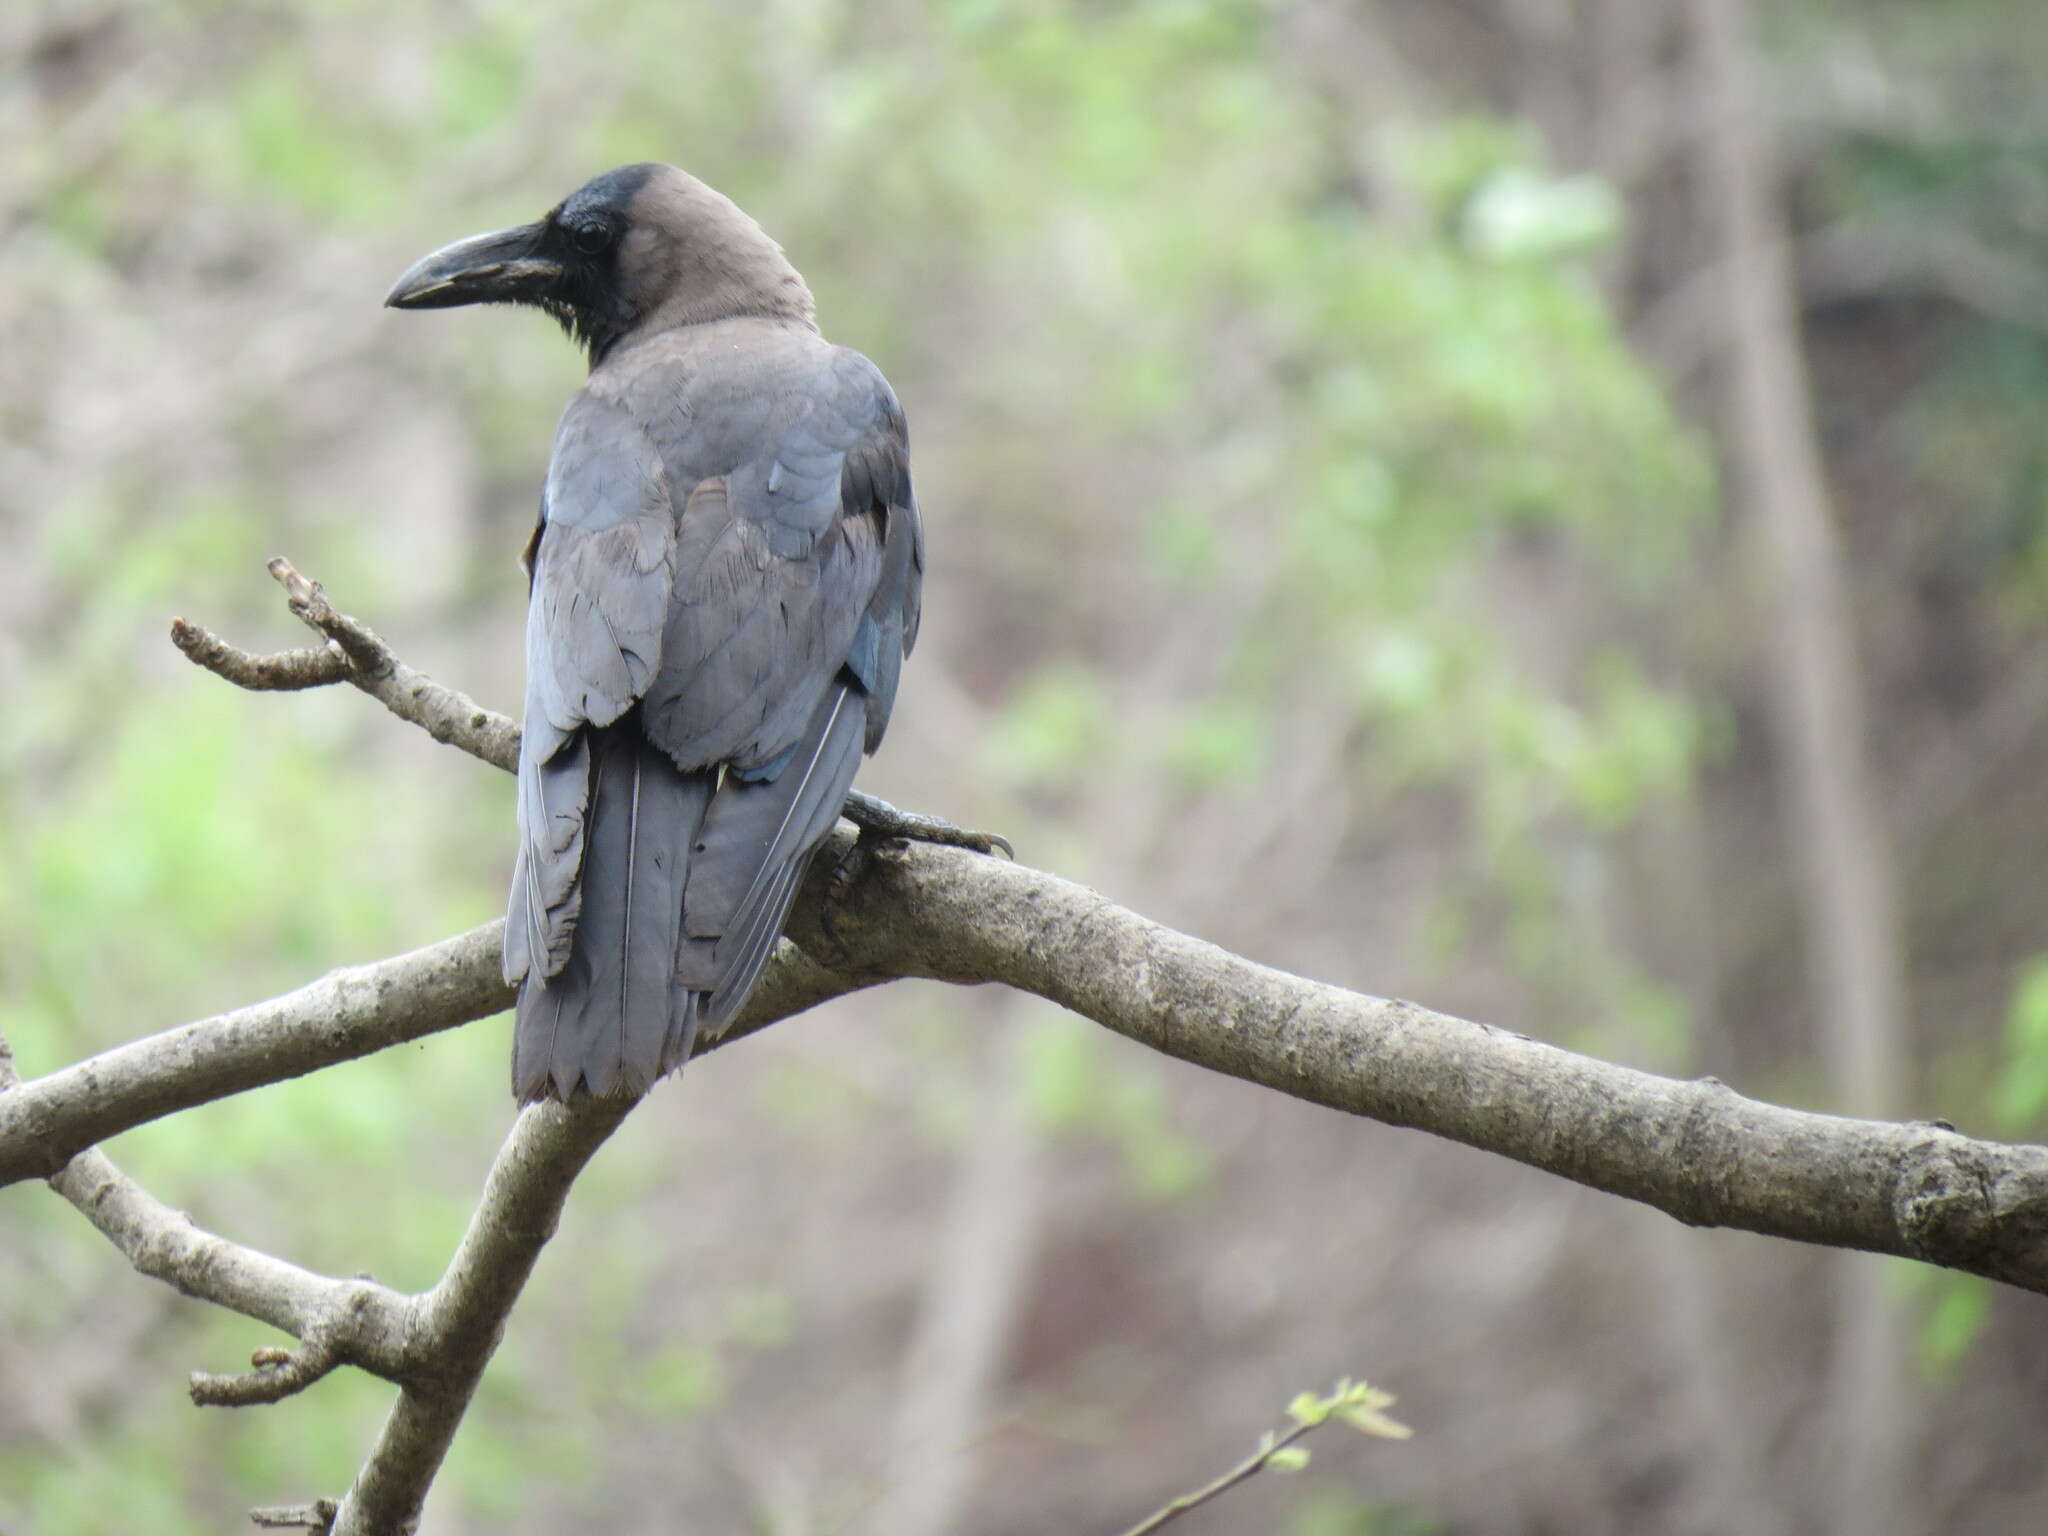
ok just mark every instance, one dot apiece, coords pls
pixel 554 799
pixel 665 896
pixel 681 1038
pixel 742 958
pixel 604 1019
pixel 753 850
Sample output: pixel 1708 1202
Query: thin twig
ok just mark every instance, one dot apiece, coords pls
pixel 358 654
pixel 1361 1406
pixel 1250 1467
pixel 317 1516
pixel 278 672
pixel 371 665
pixel 366 651
pixel 277 1374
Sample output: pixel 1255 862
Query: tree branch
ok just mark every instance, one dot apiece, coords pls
pixel 357 654
pixel 276 1374
pixel 1270 1449
pixel 345 1014
pixel 1354 1403
pixel 434 1346
pixel 316 1516
pixel 872 911
pixel 278 672
pixel 348 1013
pixel 464 1315
pixel 442 713
pixel 1696 1150
pixel 355 1322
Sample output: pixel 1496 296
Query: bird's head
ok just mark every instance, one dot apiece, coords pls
pixel 641 249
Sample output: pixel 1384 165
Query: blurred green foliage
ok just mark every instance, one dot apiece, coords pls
pixel 1341 1514
pixel 1360 404
pixel 1361 369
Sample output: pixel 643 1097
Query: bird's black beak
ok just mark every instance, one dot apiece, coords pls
pixel 505 267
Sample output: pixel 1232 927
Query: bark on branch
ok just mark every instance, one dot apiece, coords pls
pixel 1696 1150
pixel 348 1013
pixel 464 1315
pixel 354 1012
pixel 354 1322
pixel 354 654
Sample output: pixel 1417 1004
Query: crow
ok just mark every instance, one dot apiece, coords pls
pixel 723 584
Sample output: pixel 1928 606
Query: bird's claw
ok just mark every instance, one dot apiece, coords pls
pixel 879 819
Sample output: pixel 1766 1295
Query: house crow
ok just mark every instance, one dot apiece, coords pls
pixel 724 583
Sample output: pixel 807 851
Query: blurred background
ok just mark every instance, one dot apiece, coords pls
pixel 1539 506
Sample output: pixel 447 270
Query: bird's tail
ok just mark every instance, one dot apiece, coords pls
pixel 612 1018
pixel 756 843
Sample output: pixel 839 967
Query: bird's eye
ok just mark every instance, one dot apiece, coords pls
pixel 590 239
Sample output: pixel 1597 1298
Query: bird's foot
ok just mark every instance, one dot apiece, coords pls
pixel 878 819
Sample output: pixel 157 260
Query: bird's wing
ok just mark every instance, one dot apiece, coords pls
pixel 797 587
pixel 876 478
pixel 804 560
pixel 603 574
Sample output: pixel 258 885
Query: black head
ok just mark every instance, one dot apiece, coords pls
pixel 646 247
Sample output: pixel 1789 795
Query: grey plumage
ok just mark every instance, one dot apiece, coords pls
pixel 725 581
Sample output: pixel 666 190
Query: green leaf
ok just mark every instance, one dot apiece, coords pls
pixel 1309 1409
pixel 1370 1421
pixel 1289 1458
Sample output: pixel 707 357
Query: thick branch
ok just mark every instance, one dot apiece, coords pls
pixel 1695 1150
pixel 346 1014
pixel 464 1315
